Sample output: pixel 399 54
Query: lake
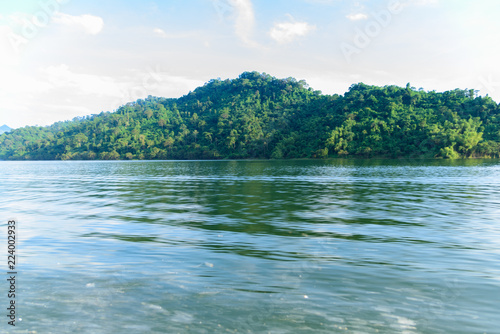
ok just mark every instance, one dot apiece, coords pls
pixel 308 246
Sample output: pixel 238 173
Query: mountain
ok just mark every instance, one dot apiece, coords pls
pixel 260 116
pixel 4 128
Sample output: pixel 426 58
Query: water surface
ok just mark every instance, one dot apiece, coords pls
pixel 255 246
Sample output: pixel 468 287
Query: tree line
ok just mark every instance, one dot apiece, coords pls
pixel 259 116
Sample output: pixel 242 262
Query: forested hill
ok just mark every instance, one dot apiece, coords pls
pixel 259 116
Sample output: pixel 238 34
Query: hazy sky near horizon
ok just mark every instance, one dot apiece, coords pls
pixel 65 58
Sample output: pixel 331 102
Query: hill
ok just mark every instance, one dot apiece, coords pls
pixel 259 116
pixel 4 128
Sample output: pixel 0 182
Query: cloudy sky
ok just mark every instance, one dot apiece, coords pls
pixel 65 58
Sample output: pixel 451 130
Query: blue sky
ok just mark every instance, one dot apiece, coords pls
pixel 65 58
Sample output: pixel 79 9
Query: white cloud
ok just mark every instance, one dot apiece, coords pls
pixel 60 76
pixel 287 31
pixel 357 17
pixel 8 56
pixel 244 21
pixel 176 35
pixel 88 23
pixel 160 32
pixel 14 85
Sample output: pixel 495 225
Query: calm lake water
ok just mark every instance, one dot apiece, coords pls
pixel 254 246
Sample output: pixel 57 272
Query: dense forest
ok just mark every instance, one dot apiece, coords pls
pixel 259 116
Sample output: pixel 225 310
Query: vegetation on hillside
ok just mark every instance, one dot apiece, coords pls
pixel 259 116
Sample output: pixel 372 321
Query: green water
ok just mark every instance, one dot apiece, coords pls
pixel 254 246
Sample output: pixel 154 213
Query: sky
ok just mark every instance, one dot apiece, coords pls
pixel 60 59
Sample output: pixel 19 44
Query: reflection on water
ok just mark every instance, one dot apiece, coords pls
pixel 256 246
